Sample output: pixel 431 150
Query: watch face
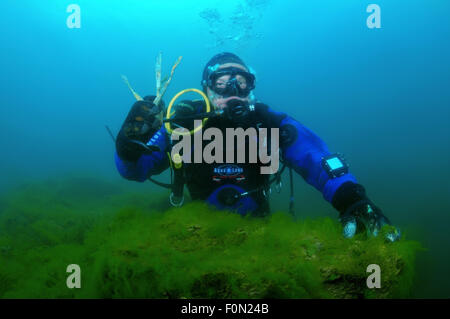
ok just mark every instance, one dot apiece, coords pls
pixel 334 163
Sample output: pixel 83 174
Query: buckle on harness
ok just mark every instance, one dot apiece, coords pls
pixel 176 201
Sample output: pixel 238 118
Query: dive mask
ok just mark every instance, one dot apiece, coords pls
pixel 240 83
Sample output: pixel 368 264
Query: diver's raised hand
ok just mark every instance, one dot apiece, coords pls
pixel 363 215
pixel 142 122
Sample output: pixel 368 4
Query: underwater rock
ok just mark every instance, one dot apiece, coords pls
pixel 128 250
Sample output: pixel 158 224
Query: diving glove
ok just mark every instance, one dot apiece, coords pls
pixel 142 122
pixel 358 213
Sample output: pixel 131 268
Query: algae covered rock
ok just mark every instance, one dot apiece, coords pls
pixel 133 251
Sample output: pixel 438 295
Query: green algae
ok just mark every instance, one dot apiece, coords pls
pixel 130 245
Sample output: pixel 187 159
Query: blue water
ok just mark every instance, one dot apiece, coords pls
pixel 380 96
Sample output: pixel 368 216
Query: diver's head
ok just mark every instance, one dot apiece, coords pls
pixel 226 78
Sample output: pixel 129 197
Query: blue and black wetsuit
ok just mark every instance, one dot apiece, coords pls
pixel 301 150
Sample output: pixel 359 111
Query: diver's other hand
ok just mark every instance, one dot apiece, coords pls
pixel 358 212
pixel 366 216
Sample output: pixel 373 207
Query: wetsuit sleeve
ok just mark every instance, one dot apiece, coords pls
pixel 303 151
pixel 146 165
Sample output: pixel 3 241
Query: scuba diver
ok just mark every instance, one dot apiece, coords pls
pixel 143 146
